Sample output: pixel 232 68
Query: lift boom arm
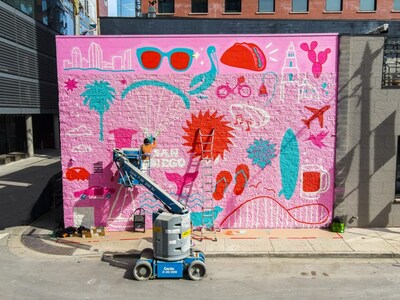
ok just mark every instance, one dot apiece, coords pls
pixel 126 168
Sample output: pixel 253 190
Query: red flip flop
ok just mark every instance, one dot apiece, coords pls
pixel 242 175
pixel 224 178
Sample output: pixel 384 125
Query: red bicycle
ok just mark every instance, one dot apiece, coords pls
pixel 243 89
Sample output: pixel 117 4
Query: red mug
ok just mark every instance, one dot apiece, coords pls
pixel 314 181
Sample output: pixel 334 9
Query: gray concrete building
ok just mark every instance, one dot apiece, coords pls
pixel 368 130
pixel 28 84
pixel 28 70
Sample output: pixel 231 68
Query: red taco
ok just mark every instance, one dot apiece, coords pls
pixel 245 56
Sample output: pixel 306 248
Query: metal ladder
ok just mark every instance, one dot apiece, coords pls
pixel 208 216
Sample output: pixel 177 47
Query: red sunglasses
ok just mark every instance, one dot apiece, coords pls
pixel 150 58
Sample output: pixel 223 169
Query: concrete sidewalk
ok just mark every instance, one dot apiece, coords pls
pixel 306 243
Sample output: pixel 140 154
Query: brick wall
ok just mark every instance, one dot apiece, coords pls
pixel 283 10
pixel 271 101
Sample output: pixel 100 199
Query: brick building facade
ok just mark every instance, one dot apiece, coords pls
pixel 282 9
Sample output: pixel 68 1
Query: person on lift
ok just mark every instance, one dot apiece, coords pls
pixel 148 145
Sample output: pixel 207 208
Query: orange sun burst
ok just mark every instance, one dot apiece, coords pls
pixel 204 124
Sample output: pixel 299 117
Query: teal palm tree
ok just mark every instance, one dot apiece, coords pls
pixel 99 96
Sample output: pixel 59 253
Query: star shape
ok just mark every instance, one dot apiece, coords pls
pixel 123 81
pixel 71 84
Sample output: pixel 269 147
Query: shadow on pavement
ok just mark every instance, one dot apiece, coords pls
pixel 38 237
pixel 126 262
pixel 28 189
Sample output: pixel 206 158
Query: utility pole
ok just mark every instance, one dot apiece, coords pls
pixel 77 21
pixel 98 17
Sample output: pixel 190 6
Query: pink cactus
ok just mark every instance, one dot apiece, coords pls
pixel 312 56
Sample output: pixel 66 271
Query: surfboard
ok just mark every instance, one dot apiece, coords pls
pixel 289 159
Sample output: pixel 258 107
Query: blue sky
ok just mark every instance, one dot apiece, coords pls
pixel 112 8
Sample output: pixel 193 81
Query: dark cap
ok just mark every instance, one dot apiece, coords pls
pixel 146 141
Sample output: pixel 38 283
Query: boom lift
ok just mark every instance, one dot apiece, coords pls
pixel 172 254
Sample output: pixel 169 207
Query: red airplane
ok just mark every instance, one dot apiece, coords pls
pixel 318 113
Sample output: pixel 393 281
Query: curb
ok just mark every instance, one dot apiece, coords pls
pixel 305 255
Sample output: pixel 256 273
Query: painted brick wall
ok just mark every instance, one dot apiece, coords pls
pixel 271 100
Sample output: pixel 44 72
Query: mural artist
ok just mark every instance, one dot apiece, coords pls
pixel 148 145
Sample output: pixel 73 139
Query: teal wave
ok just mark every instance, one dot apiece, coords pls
pixel 165 85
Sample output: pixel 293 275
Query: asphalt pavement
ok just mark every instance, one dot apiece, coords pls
pixel 37 236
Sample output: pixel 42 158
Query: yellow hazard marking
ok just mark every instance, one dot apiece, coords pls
pixel 157 229
pixel 186 233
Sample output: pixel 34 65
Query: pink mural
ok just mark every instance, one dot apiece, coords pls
pixel 269 102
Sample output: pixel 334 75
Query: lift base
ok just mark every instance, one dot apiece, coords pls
pixel 147 267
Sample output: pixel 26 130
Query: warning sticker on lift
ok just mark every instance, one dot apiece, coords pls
pixel 169 270
pixel 157 229
pixel 186 233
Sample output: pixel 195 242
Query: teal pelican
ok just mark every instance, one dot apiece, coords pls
pixel 205 80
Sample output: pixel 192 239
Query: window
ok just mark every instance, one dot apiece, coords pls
pixel 391 63
pixel 333 5
pixel 26 6
pixel 299 5
pixel 396 4
pixel 199 6
pixel 125 8
pixel 166 6
pixel 266 5
pixel 233 6
pixel 367 5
